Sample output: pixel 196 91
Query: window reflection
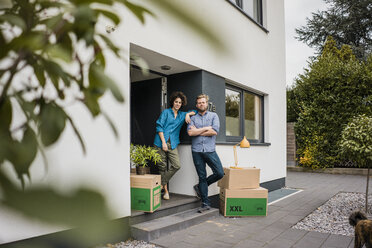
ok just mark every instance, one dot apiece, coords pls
pixel 232 101
pixel 252 116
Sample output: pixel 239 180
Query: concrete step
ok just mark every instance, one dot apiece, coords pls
pixel 177 203
pixel 157 228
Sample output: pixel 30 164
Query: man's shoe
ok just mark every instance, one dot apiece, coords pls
pixel 197 191
pixel 204 208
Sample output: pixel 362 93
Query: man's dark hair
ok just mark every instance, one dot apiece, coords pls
pixel 175 95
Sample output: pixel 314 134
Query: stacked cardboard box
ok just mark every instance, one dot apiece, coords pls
pixel 145 192
pixel 241 194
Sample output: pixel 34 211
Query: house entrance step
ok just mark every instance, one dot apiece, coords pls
pixel 157 228
pixel 177 203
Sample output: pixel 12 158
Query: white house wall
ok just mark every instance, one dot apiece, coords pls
pixel 256 60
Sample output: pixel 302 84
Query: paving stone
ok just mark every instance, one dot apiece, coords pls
pixel 337 241
pixel 280 243
pixel 251 228
pixel 227 239
pixel 318 235
pixel 266 235
pixel 279 225
pixel 311 240
pixel 308 243
pixel 303 212
pixel 241 221
pixel 351 245
pixel 169 240
pixel 215 226
pixel 202 238
pixel 271 209
pixel 181 244
pixel 218 243
pixel 292 219
pixel 270 219
pixel 250 243
pixel 243 234
pixel 293 234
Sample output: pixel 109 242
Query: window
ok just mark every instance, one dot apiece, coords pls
pixel 244 115
pixel 253 8
pixel 252 116
pixel 232 101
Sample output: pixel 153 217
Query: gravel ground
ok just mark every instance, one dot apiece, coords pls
pixel 333 216
pixel 130 243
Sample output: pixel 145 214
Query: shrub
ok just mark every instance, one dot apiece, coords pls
pixel 335 88
pixel 356 140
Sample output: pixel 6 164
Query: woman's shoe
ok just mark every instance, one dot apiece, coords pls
pixel 166 196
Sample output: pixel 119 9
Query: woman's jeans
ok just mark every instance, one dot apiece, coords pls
pixel 213 161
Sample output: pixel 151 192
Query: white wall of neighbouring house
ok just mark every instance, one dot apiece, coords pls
pixel 254 59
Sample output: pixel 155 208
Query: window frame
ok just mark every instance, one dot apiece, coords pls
pixel 238 4
pixel 242 114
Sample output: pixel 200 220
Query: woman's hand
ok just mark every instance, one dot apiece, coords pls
pixel 187 118
pixel 165 147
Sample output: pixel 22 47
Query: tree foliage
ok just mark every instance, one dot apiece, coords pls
pixel 293 106
pixel 356 143
pixel 335 88
pixel 52 56
pixel 347 21
pixel 40 41
pixel 232 103
pixel 356 140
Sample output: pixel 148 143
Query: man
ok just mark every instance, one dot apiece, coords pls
pixel 203 129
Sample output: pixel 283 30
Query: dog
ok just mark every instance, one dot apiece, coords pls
pixel 363 229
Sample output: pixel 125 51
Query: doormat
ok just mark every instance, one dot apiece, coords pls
pixel 280 194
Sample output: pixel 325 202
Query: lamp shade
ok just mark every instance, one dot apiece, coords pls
pixel 245 143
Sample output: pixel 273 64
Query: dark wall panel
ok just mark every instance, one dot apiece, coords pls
pixel 274 184
pixel 190 83
pixel 214 87
pixel 145 110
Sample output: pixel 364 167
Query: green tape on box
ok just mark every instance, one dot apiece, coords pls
pixel 140 199
pixel 246 206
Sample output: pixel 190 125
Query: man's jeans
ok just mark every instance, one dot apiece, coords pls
pixel 213 161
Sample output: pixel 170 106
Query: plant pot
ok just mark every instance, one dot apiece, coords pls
pixel 140 170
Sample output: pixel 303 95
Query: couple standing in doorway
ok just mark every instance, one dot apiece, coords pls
pixel 203 127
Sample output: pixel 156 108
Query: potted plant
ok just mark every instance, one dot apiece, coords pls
pixel 141 155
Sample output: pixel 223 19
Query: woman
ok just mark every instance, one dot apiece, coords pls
pixel 167 137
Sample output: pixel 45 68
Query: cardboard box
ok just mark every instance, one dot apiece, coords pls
pixel 243 202
pixel 145 192
pixel 244 178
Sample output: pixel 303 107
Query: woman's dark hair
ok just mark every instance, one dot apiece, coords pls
pixel 175 95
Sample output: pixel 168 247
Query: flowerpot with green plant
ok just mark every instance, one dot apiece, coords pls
pixel 141 155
